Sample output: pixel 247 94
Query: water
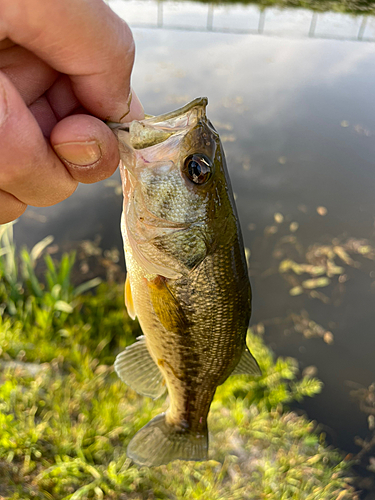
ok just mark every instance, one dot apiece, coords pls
pixel 292 95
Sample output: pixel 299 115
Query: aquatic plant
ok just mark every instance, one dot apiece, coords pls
pixel 366 399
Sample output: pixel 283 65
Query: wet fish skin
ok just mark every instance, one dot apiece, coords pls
pixel 187 278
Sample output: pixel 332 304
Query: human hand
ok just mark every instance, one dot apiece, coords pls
pixel 57 59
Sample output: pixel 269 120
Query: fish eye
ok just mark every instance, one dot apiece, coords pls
pixel 198 168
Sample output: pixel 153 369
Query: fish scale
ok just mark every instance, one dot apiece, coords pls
pixel 187 279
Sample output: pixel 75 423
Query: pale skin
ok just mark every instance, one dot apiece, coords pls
pixel 64 67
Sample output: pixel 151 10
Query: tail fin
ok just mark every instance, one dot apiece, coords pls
pixel 159 443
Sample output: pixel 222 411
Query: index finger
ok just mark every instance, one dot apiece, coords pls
pixel 84 39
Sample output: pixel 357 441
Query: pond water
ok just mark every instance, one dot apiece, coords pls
pixel 292 95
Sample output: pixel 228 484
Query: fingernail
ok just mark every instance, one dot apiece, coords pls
pixel 79 153
pixel 136 111
pixel 3 104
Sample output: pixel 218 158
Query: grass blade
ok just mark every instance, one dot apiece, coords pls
pixel 88 285
pixel 37 250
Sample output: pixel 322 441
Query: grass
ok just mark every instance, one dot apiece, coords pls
pixel 66 419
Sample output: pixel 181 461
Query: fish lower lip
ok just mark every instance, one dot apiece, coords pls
pixel 118 126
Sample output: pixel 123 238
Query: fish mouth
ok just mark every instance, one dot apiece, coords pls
pixel 157 129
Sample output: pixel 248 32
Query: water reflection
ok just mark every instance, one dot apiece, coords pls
pixel 242 19
pixel 296 115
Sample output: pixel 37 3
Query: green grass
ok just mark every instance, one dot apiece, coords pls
pixel 66 418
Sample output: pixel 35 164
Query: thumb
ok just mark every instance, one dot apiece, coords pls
pixel 87 147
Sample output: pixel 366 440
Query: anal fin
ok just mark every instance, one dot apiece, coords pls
pixel 247 365
pixel 138 370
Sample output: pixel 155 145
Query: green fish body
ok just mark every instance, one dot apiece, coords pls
pixel 187 279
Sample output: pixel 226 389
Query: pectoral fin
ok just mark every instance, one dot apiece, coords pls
pixel 138 370
pixel 129 299
pixel 166 307
pixel 247 365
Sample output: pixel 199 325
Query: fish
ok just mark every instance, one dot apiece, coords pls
pixel 187 279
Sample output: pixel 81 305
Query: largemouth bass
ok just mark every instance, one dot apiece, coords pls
pixel 187 279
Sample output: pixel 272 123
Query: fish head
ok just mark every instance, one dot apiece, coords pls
pixel 176 187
